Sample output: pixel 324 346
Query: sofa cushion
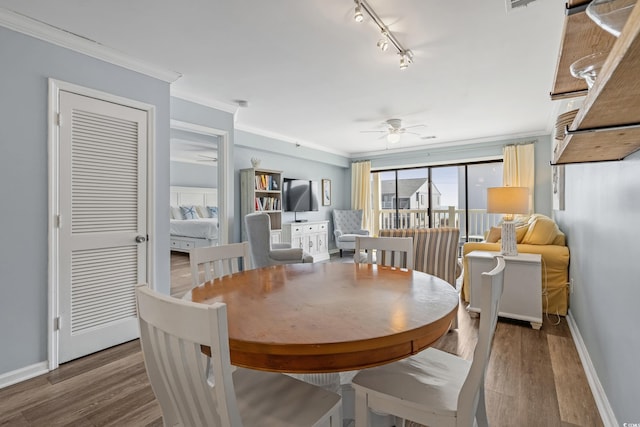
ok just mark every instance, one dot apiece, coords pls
pixel 542 231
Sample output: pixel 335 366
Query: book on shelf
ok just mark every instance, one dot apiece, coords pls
pixel 266 183
pixel 267 203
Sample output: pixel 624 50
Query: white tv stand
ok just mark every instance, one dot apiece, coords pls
pixel 311 236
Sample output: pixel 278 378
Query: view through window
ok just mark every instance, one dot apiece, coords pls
pixel 436 196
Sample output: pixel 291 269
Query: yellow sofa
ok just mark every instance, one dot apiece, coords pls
pixel 536 234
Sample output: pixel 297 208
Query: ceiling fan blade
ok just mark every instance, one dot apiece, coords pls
pixel 414 126
pixel 373 131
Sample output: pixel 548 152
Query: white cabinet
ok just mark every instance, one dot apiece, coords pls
pixel 522 295
pixel 311 236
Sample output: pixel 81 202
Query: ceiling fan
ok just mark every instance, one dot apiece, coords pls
pixel 395 130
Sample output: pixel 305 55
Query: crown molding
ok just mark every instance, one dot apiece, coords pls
pixel 40 30
pixel 297 142
pixel 207 102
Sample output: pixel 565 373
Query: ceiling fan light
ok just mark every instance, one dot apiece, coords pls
pixel 393 138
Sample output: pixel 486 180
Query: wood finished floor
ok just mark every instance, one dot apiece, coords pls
pixel 534 378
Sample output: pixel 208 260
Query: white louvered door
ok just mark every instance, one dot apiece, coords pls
pixel 103 230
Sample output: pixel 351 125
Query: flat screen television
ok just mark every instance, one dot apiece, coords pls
pixel 299 195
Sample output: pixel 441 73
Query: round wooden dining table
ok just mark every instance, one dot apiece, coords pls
pixel 329 317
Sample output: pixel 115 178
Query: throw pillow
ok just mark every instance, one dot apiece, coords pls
pixel 176 213
pixel 494 234
pixel 542 231
pixel 521 231
pixel 213 211
pixel 189 212
pixel 202 212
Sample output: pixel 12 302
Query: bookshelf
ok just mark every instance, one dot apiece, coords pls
pixel 261 190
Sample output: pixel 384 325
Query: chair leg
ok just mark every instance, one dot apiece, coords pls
pixel 481 411
pixel 362 409
pixel 340 253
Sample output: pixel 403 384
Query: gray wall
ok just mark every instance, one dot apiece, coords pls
pixel 193 175
pixel 295 162
pixel 27 63
pixel 602 209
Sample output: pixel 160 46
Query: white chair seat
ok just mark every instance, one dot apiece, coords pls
pixel 429 379
pixel 435 388
pixel 260 396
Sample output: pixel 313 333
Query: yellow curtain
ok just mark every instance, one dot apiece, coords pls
pixel 518 169
pixel 361 190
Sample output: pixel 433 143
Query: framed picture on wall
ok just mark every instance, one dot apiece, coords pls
pixel 326 192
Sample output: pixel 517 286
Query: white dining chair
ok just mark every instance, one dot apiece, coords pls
pixel 194 390
pixel 218 261
pixel 433 387
pixel 390 251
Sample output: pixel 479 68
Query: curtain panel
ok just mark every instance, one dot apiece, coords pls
pixel 518 169
pixel 361 190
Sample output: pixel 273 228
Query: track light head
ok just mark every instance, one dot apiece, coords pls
pixel 357 15
pixel 405 59
pixel 383 43
pixel 404 64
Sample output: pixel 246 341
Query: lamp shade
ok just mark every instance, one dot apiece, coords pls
pixel 508 200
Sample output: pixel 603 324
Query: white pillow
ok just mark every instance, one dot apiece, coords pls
pixel 189 212
pixel 175 213
pixel 202 212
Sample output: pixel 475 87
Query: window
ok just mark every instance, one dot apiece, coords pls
pixel 436 196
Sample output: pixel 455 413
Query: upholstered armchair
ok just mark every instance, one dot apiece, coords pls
pixel 347 225
pixel 263 254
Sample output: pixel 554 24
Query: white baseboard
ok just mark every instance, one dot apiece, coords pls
pixel 604 408
pixel 23 374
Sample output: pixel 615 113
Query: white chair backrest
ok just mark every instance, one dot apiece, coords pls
pixel 391 251
pixel 218 261
pixel 492 286
pixel 171 332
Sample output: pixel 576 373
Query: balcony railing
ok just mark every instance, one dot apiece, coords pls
pixel 479 220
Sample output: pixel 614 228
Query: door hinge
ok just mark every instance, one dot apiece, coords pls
pixel 57 323
pixel 58 221
pixel 58 119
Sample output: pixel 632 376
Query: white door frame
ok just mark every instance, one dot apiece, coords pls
pixel 55 86
pixel 224 162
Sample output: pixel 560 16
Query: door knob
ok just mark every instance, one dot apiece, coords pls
pixel 141 239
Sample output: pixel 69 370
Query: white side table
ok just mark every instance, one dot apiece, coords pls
pixel 522 295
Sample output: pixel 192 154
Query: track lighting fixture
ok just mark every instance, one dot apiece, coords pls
pixel 406 57
pixel 357 15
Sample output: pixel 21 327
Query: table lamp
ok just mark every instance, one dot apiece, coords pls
pixel 508 201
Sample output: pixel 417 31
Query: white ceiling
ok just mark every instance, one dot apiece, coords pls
pixel 314 76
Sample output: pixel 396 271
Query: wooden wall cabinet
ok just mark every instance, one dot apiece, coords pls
pixel 261 190
pixel 607 127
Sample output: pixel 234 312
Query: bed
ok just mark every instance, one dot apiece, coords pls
pixel 194 221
